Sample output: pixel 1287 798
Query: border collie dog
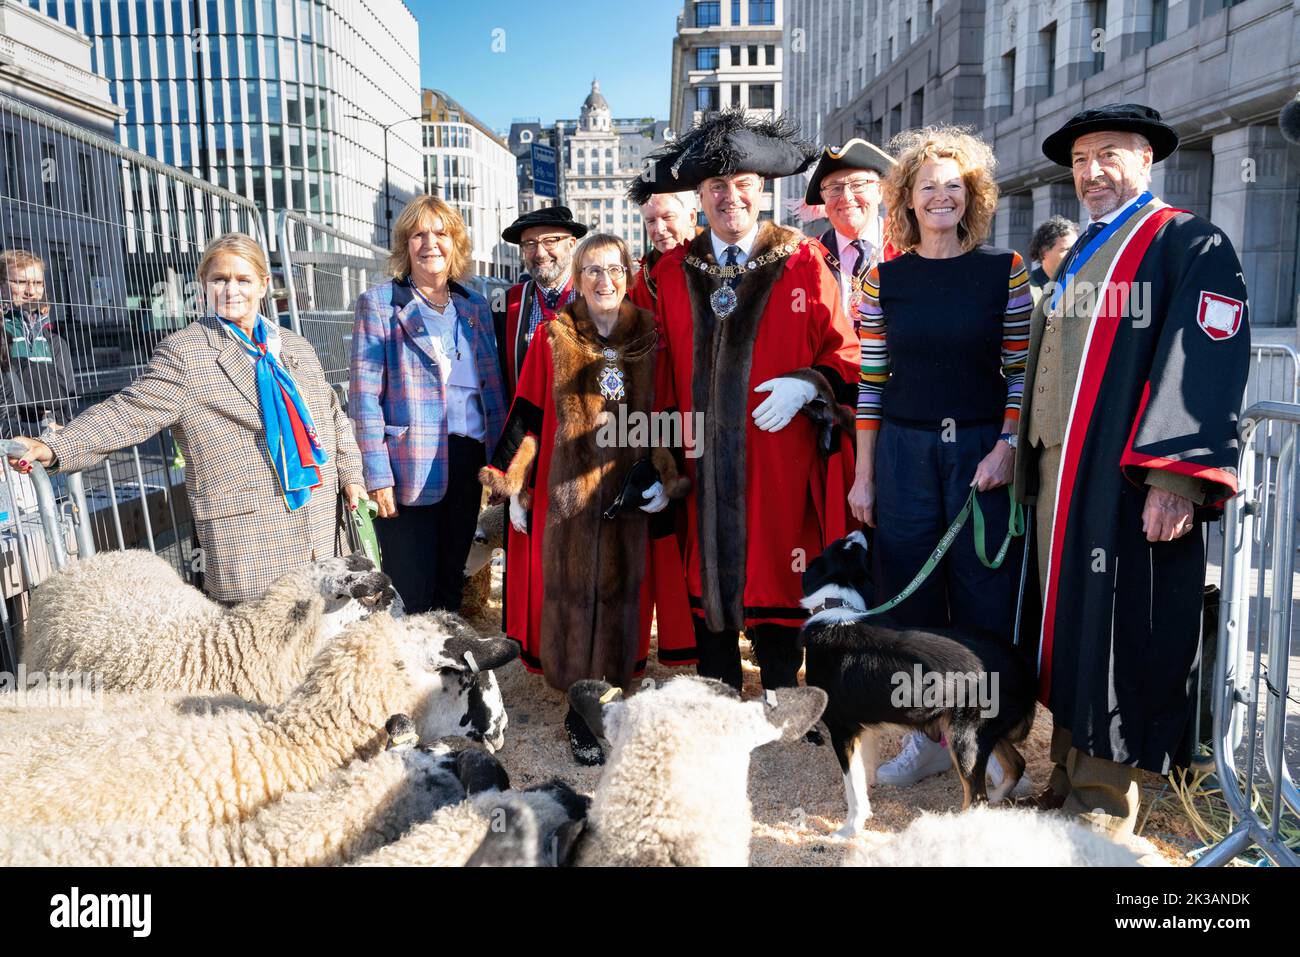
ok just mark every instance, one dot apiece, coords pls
pixel 978 692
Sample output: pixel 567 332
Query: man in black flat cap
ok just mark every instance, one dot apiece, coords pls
pixel 1138 359
pixel 847 182
pixel 546 238
pixel 756 335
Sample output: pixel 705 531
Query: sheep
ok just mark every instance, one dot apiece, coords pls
pixel 983 836
pixel 128 618
pixel 351 812
pixel 100 766
pixel 675 790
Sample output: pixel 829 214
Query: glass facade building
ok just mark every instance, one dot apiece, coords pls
pixel 281 101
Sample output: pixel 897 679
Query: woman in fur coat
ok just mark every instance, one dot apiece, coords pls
pixel 578 597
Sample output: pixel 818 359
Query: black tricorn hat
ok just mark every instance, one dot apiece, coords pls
pixel 723 144
pixel 1129 117
pixel 560 217
pixel 855 154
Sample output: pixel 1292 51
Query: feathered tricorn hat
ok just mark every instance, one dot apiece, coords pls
pixel 722 144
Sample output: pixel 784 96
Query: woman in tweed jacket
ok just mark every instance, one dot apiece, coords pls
pixel 428 404
pixel 253 519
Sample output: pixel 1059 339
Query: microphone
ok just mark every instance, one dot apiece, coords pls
pixel 1289 121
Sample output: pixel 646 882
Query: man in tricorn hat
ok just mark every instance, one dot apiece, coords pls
pixel 847 181
pixel 755 336
pixel 1137 362
pixel 546 238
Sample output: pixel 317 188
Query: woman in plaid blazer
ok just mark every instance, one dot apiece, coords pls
pixel 255 516
pixel 427 402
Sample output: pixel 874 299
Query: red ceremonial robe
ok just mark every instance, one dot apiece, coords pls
pixel 762 504
pixel 1159 388
pixel 579 600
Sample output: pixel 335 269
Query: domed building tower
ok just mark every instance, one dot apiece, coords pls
pixel 599 155
pixel 596 116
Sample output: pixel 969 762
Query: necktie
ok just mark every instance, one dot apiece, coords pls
pixel 733 254
pixel 861 256
pixel 1088 235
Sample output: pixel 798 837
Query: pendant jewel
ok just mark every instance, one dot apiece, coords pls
pixel 611 380
pixel 723 301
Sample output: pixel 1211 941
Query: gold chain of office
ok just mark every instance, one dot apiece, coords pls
pixel 731 272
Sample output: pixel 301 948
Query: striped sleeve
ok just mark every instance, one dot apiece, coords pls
pixel 874 370
pixel 1015 334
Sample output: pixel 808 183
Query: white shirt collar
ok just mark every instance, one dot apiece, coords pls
pixel 1109 217
pixel 870 241
pixel 746 243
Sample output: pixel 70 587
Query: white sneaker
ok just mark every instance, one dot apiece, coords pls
pixel 919 759
pixel 1023 788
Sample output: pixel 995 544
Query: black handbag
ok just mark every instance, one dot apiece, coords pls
pixel 640 478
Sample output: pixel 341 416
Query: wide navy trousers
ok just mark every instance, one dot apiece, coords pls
pixel 923 477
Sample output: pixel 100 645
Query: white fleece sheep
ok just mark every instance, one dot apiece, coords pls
pixel 99 766
pixel 1001 837
pixel 128 618
pixel 352 811
pixel 675 789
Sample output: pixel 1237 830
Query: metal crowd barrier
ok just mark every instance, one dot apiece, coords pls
pixel 116 237
pixel 1251 686
pixel 323 270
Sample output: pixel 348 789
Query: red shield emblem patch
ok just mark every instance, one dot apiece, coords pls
pixel 1219 316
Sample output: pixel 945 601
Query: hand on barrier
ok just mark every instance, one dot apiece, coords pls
pixel 518 515
pixel 789 395
pixel 384 499
pixel 36 451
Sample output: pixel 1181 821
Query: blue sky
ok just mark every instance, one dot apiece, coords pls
pixel 551 52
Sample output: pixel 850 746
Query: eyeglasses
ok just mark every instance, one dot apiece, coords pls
pixel 548 243
pixel 616 272
pixel 858 186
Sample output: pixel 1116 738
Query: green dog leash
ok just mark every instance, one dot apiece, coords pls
pixel 1015 528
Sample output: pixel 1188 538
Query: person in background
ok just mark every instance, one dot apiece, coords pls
pixel 576 572
pixel 944 332
pixel 428 404
pixel 669 220
pixel 847 180
pixel 36 375
pixel 267 447
pixel 1052 240
pixel 546 238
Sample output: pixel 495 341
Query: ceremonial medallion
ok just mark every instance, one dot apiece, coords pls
pixel 723 301
pixel 611 382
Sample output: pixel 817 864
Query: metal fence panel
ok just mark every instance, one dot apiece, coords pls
pixel 1250 690
pixel 104 243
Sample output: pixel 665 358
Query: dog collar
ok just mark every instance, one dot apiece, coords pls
pixel 828 604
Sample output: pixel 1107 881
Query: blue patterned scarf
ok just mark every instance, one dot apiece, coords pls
pixel 287 426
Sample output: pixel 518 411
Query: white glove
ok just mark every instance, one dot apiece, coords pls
pixel 657 496
pixel 518 515
pixel 789 395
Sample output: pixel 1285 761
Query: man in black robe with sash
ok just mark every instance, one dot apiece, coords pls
pixel 1138 360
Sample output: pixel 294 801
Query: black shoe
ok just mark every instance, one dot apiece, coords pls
pixel 584 745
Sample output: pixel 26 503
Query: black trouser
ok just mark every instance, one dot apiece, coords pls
pixel 776 647
pixel 425 546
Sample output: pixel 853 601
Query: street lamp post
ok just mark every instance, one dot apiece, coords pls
pixel 388 186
